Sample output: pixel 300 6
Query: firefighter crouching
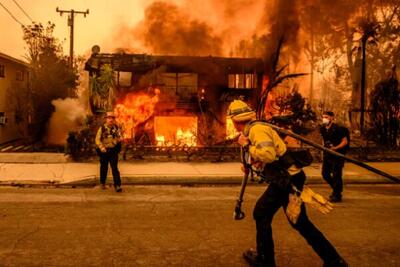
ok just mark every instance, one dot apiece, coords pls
pixel 286 183
pixel 108 143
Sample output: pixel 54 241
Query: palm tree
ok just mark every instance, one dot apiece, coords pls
pixel 368 28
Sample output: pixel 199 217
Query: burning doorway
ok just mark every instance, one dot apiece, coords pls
pixel 176 130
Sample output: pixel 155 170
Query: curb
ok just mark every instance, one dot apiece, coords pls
pixel 181 180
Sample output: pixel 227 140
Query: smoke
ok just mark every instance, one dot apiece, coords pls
pixel 283 22
pixel 242 28
pixel 167 29
pixel 209 27
pixel 69 114
pixel 231 27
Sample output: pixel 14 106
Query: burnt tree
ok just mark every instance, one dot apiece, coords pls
pixel 385 103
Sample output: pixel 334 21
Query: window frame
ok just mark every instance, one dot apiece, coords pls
pixel 246 81
pixel 2 71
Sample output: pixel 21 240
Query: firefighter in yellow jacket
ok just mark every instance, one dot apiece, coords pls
pixel 269 154
pixel 108 143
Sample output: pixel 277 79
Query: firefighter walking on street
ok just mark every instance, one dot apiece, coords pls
pixel 108 143
pixel 286 183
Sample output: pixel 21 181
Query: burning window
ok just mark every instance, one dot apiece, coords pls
pixel 242 81
pixel 175 130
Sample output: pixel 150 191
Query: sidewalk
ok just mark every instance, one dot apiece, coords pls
pixel 139 173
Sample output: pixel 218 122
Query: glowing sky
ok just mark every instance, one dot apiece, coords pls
pixel 103 18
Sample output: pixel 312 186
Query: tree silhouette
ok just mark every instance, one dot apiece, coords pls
pixel 51 77
pixel 385 102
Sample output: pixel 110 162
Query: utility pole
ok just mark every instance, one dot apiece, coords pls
pixel 312 66
pixel 71 17
pixel 363 72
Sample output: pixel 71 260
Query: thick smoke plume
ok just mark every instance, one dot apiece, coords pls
pixel 283 22
pixel 243 28
pixel 232 27
pixel 166 29
pixel 68 116
pixel 218 28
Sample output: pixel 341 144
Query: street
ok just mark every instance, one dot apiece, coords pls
pixel 184 226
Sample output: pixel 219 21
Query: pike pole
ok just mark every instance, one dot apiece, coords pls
pixel 320 147
pixel 238 214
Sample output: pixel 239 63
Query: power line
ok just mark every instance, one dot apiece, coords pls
pixel 8 11
pixel 26 14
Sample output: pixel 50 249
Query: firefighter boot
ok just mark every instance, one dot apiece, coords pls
pixel 256 260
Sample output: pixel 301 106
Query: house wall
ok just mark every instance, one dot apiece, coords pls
pixel 13 75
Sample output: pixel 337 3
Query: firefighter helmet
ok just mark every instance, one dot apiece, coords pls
pixel 240 111
pixel 109 114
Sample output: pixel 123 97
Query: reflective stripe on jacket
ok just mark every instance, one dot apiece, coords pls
pixel 265 144
pixel 109 138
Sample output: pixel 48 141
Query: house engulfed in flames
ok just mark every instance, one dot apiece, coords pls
pixel 171 100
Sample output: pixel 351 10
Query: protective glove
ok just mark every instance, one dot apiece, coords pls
pixel 293 209
pixel 315 200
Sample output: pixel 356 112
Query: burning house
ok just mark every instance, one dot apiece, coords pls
pixel 171 100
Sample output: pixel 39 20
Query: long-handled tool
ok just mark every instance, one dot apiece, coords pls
pixel 320 147
pixel 238 214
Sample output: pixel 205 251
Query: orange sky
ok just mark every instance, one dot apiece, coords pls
pixel 103 18
pixel 107 18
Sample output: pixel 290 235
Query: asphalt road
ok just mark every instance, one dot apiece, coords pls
pixel 184 226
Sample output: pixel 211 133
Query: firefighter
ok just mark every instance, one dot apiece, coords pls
pixel 268 154
pixel 108 143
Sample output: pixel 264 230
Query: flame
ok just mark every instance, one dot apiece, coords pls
pixel 160 140
pixel 230 129
pixel 133 110
pixel 185 137
pixel 175 130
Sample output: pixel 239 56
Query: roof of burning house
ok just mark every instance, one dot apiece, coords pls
pixel 142 63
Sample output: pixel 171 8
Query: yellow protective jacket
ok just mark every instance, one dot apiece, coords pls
pixel 265 144
pixel 108 136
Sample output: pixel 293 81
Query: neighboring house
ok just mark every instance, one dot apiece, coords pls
pixel 196 88
pixel 14 88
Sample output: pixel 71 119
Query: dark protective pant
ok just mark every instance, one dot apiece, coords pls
pixel 266 207
pixel 332 169
pixel 111 157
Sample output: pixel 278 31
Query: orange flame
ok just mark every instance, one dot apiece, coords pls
pixel 135 108
pixel 175 130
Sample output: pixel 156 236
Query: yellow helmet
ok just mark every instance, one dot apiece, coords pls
pixel 240 111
